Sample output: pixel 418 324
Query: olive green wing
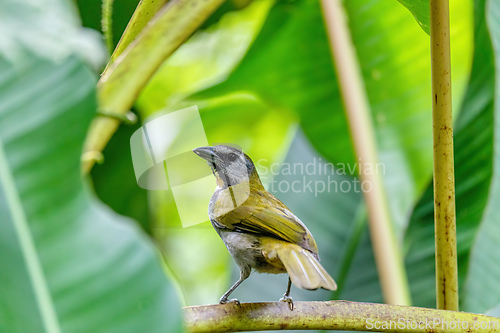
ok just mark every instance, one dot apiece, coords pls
pixel 271 223
pixel 269 216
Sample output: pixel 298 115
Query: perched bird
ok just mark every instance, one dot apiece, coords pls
pixel 259 231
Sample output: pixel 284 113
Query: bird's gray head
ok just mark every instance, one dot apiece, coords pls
pixel 230 165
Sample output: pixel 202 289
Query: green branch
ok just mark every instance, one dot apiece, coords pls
pixel 334 315
pixel 444 171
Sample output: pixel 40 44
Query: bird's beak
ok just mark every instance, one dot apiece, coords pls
pixel 206 153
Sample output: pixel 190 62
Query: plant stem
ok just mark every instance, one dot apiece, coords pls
pixel 107 23
pixel 444 173
pixel 387 252
pixel 124 79
pixel 333 315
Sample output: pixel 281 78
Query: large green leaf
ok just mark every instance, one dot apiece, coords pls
pixel 482 291
pixel 420 10
pixel 49 29
pixel 474 154
pixel 68 263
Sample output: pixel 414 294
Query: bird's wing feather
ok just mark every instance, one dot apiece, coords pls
pixel 268 216
pixel 270 222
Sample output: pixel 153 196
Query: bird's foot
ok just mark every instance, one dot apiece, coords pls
pixel 224 300
pixel 288 300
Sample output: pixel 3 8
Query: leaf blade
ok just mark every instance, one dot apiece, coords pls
pixel 101 274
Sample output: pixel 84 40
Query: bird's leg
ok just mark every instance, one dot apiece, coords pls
pixel 286 297
pixel 244 273
pixel 224 300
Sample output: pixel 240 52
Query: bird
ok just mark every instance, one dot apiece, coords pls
pixel 258 230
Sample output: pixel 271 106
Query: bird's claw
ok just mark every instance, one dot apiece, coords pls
pixel 288 300
pixel 232 300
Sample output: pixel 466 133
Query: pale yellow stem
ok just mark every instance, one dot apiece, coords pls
pixel 444 174
pixel 387 252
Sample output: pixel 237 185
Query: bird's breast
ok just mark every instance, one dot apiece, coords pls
pixel 226 200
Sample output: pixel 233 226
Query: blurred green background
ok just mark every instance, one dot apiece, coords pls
pixel 100 254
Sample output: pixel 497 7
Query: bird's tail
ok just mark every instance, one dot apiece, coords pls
pixel 304 269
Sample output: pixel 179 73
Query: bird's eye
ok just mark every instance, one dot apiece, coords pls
pixel 232 157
